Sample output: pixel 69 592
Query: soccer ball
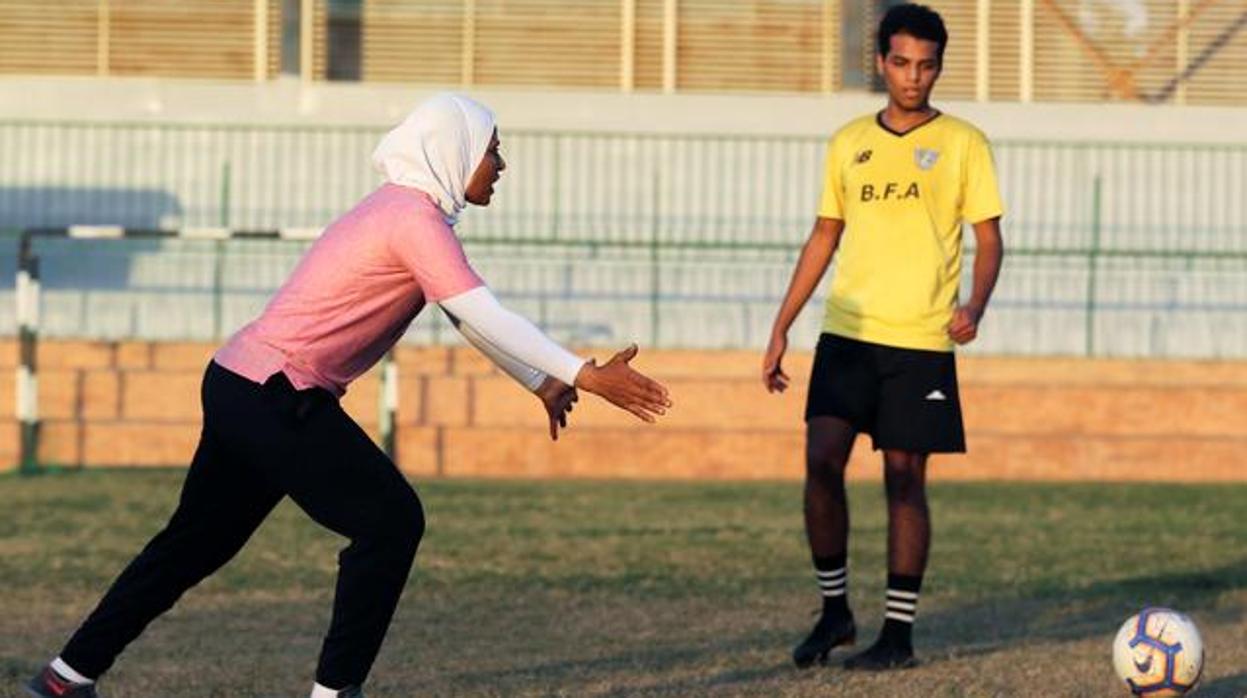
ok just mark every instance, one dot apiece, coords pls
pixel 1158 652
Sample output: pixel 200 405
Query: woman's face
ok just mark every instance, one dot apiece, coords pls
pixel 481 187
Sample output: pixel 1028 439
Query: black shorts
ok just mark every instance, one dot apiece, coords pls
pixel 906 399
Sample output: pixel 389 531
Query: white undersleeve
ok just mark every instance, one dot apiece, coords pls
pixel 524 374
pixel 511 334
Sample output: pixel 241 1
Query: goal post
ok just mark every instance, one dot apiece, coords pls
pixel 26 387
pixel 29 302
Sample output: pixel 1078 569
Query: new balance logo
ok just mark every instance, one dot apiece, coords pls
pixel 936 395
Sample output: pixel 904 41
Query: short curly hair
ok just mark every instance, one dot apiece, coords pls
pixel 918 21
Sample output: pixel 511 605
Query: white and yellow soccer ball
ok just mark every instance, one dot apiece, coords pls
pixel 1158 652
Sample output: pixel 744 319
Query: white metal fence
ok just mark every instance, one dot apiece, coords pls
pixel 1114 249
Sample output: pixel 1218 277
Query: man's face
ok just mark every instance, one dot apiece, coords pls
pixel 481 187
pixel 910 70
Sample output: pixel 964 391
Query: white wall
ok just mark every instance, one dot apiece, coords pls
pixel 291 101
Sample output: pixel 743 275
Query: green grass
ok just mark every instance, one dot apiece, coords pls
pixel 624 589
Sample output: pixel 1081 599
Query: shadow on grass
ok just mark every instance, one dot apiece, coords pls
pixel 1078 613
pixel 1225 687
pixel 1066 614
pixel 709 684
pixel 657 660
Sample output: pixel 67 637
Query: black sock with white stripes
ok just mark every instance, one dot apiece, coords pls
pixel 833 583
pixel 902 606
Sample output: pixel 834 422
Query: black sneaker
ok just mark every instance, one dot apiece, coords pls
pixel 827 634
pixel 882 656
pixel 49 684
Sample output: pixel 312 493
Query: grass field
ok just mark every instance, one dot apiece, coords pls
pixel 623 589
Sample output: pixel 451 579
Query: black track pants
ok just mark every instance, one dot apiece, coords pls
pixel 259 444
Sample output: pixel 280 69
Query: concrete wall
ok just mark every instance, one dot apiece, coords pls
pixel 136 404
pixel 291 101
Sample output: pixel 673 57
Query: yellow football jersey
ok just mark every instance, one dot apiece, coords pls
pixel 903 199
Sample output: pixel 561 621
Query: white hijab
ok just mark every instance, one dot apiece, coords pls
pixel 437 148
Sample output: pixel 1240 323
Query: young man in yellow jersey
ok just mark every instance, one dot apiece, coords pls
pixel 898 186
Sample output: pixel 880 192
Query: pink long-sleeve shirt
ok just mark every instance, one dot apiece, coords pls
pixel 354 293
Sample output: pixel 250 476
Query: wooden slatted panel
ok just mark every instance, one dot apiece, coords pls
pixel 48 37
pixel 1221 33
pixel 413 41
pixel 1134 38
pixel 957 80
pixel 172 38
pixel 750 45
pixel 1004 41
pixel 833 41
pixel 1152 52
pixel 548 43
pixel 871 15
pixel 1063 71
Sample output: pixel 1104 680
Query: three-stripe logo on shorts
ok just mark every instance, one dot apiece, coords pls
pixel 901 605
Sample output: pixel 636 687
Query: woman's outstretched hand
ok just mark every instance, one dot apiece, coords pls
pixel 558 398
pixel 625 387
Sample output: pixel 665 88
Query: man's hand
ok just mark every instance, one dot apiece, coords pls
pixel 965 325
pixel 773 376
pixel 624 387
pixel 558 398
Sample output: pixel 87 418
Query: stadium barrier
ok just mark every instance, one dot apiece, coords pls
pixel 135 404
pixel 676 240
pixel 1192 420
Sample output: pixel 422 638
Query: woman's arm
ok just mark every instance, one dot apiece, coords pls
pixel 524 374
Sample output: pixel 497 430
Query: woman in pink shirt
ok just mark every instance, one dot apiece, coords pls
pixel 273 427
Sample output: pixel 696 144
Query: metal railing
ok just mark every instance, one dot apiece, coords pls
pixel 1120 249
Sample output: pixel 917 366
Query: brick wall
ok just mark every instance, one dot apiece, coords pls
pixel 136 404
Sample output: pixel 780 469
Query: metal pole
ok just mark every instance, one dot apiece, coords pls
pixel 28 337
pixel 556 190
pixel 307 40
pixel 223 218
pixel 1093 262
pixel 1026 52
pixel 669 37
pixel 982 51
pixel 259 43
pixel 655 265
pixel 627 46
pixel 468 57
pixel 218 285
pixel 387 408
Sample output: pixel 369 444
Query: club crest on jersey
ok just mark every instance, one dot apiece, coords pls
pixel 924 158
pixel 862 157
